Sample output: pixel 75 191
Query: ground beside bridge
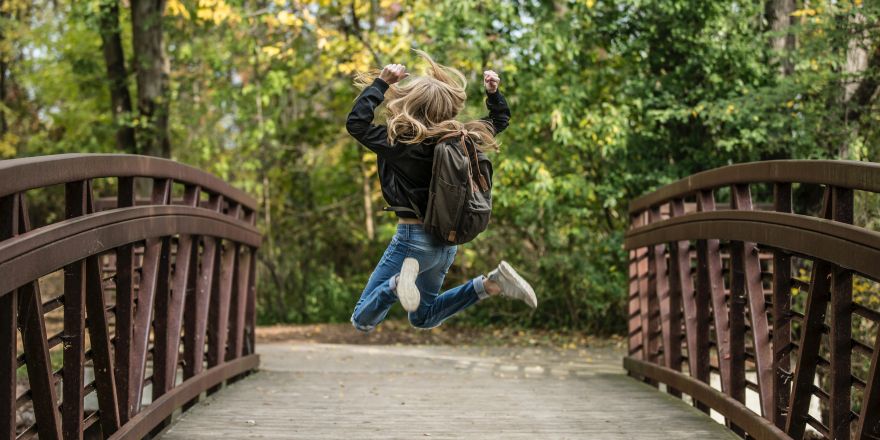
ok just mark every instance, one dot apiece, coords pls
pixel 336 391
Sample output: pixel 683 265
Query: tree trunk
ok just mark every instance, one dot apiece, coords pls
pixel 368 203
pixel 778 14
pixel 120 99
pixel 152 76
pixel 861 61
pixel 866 91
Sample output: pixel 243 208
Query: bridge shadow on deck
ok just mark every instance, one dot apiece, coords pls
pixel 326 391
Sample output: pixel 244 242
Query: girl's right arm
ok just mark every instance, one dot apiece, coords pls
pixel 360 120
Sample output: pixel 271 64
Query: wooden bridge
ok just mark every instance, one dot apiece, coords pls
pixel 127 297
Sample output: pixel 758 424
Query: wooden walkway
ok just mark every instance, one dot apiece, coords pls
pixel 321 391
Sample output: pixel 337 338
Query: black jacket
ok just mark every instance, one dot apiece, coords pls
pixel 405 169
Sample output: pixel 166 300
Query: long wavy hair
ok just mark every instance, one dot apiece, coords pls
pixel 424 107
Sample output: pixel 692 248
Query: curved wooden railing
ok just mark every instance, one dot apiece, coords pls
pixel 711 293
pixel 152 297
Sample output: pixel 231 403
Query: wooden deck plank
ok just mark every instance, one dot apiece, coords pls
pixel 318 391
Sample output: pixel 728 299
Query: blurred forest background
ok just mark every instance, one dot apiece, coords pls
pixel 609 98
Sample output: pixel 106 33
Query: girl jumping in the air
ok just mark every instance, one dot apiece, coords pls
pixel 420 113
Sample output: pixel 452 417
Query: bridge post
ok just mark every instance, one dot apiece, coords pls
pixel 8 331
pixel 811 334
pixel 125 300
pixel 782 374
pixel 840 335
pixel 711 286
pixel 694 307
pixel 153 282
pixel 746 268
pixel 74 324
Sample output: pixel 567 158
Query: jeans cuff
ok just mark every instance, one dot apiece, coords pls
pixel 392 284
pixel 362 328
pixel 480 288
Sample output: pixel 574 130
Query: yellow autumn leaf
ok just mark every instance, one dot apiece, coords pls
pixel 804 12
pixel 176 8
pixel 555 119
pixel 288 19
pixel 271 51
pixel 217 11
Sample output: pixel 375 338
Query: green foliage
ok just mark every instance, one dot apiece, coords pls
pixel 610 99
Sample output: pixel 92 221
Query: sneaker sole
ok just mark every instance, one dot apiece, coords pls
pixel 407 291
pixel 530 298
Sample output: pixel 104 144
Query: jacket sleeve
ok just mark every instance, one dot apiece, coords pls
pixel 360 120
pixel 499 112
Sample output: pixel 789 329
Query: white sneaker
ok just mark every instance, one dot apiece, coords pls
pixel 513 285
pixel 407 291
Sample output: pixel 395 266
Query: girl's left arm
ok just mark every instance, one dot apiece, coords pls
pixel 360 120
pixel 499 111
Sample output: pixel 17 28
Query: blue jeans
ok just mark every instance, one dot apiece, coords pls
pixel 434 261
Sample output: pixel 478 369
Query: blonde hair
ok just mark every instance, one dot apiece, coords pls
pixel 425 107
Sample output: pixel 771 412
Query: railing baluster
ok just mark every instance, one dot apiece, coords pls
pixel 252 304
pixel 709 281
pixel 811 336
pixel 154 281
pixel 240 291
pixel 696 324
pixel 32 326
pixel 736 319
pixel 124 309
pixel 197 308
pixel 218 322
pixel 8 332
pixel 74 324
pixel 642 271
pixel 249 300
pixel 654 333
pixel 709 278
pixel 781 319
pixel 99 337
pixel 748 266
pixel 841 329
pixel 635 337
pixel 869 419
pixel 168 339
pixel 670 305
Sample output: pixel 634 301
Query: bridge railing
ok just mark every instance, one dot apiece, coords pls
pixel 111 319
pixel 740 307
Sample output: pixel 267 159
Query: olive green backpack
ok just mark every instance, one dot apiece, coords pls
pixel 460 196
